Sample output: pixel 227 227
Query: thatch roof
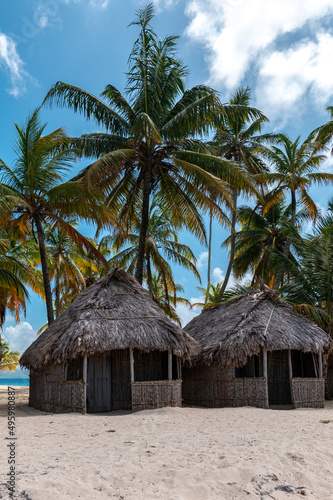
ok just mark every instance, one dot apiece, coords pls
pixel 113 313
pixel 232 332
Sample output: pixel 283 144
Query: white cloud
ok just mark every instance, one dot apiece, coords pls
pixel 185 313
pixel 285 77
pixel 218 275
pixel 20 336
pixel 12 63
pixel 165 4
pixel 99 4
pixel 237 32
pixel 202 260
pixel 327 165
pixel 46 11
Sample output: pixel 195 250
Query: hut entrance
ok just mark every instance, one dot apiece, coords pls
pixel 279 392
pixel 330 377
pixel 109 381
pixel 99 397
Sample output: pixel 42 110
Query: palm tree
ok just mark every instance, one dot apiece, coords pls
pixel 162 244
pixel 15 274
pixel 310 275
pixel 68 265
pixel 168 302
pixel 296 167
pixel 34 195
pixel 10 359
pixel 148 146
pixel 261 231
pixel 238 138
pixel 211 295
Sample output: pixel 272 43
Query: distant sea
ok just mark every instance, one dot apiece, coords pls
pixel 14 381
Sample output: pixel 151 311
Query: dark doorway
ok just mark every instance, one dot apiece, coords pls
pixel 330 376
pixel 279 392
pixel 99 397
pixel 109 381
pixel 251 369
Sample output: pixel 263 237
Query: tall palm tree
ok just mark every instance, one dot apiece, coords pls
pixel 162 245
pixel 238 138
pixel 296 167
pixel 34 193
pixel 148 146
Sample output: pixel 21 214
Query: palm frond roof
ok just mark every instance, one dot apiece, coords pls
pixel 116 312
pixel 232 332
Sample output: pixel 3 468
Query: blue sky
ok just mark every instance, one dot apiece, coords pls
pixel 281 49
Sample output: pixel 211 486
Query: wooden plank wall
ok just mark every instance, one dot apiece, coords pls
pixel 99 382
pixel 278 378
pixel 120 379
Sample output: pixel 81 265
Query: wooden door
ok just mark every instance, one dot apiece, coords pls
pixel 99 397
pixel 279 392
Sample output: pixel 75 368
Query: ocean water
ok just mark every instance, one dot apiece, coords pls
pixel 14 381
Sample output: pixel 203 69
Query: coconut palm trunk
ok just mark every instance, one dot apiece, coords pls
pixel 144 223
pixel 57 296
pixel 209 251
pixel 45 269
pixel 149 278
pixel 232 245
pixel 286 249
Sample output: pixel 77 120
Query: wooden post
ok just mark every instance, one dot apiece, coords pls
pixel 315 366
pixel 131 363
pixel 169 364
pixel 290 365
pixel 179 368
pixel 85 371
pixel 320 362
pixel 265 374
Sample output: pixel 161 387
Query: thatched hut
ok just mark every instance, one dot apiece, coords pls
pixel 112 349
pixel 256 351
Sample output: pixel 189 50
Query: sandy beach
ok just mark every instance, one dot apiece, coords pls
pixel 171 453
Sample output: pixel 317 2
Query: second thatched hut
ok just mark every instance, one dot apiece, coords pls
pixel 256 351
pixel 112 349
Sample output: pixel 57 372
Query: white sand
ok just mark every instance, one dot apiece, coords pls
pixel 172 453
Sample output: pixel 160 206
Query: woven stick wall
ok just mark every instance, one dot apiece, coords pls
pixel 156 394
pixel 49 392
pixel 231 393
pixel 216 387
pixel 308 392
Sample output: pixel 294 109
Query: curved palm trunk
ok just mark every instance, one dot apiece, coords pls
pixel 45 269
pixel 57 296
pixel 286 249
pixel 209 253
pixel 144 224
pixel 150 279
pixel 232 247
